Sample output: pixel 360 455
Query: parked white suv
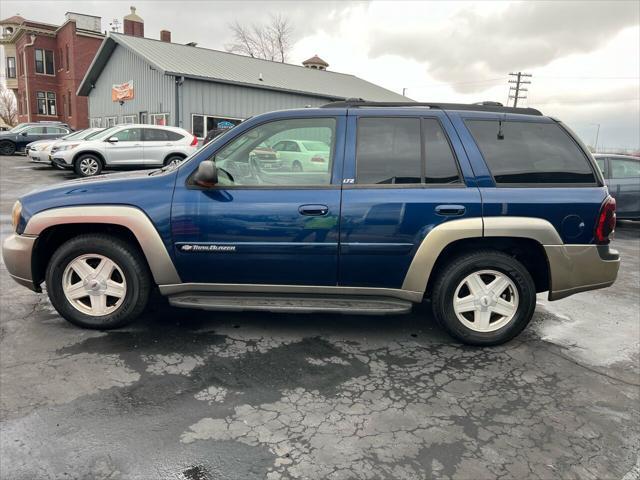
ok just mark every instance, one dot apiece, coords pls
pixel 125 146
pixel 40 150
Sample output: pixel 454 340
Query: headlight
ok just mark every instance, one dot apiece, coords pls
pixel 62 148
pixel 15 215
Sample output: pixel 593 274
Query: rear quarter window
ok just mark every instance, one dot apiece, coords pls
pixel 530 153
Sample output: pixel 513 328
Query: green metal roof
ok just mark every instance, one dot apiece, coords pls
pixel 217 66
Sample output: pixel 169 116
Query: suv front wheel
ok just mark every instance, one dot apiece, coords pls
pixel 88 165
pixel 484 298
pixel 98 281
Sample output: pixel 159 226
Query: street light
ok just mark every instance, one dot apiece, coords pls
pixel 595 144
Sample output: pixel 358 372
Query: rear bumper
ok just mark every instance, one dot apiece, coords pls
pixel 579 268
pixel 16 253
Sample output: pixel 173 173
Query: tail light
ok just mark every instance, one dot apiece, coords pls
pixel 606 221
pixel 194 142
pixel 317 160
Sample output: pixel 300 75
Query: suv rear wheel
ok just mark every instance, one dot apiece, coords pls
pixel 88 165
pixel 484 298
pixel 98 281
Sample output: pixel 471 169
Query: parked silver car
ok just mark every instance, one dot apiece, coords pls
pixel 622 175
pixel 40 150
pixel 125 146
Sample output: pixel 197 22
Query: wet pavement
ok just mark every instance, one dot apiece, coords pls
pixel 191 395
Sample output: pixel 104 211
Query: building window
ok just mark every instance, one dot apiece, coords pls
pixel 42 103
pixel 44 62
pixel 201 125
pixel 66 51
pixel 46 103
pixel 111 121
pixel 159 119
pixel 95 122
pixel 127 119
pixel 60 58
pixel 70 111
pixel 11 67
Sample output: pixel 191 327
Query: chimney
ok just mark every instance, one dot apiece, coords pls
pixel 133 24
pixel 165 36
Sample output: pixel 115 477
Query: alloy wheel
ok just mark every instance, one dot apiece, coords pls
pixel 89 166
pixel 94 285
pixel 486 300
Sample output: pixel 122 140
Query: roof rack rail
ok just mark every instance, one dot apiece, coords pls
pixel 475 107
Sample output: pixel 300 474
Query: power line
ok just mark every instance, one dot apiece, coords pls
pixel 518 89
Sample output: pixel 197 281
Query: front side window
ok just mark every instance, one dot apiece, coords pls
pixel 250 159
pixel 601 164
pixel 128 135
pixel 388 151
pixel 624 168
pixel 11 67
pixel 36 131
pixel 530 153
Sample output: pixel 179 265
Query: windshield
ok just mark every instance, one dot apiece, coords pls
pixel 105 133
pixel 91 133
pixel 19 127
pixel 73 135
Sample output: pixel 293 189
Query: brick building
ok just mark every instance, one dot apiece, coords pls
pixel 44 64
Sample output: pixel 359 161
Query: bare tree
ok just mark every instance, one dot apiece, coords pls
pixel 8 107
pixel 271 41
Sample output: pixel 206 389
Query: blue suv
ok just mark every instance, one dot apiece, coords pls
pixel 474 208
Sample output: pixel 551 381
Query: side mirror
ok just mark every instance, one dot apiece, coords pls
pixel 24 134
pixel 207 174
pixel 113 140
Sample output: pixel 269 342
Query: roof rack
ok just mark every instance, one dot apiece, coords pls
pixel 475 107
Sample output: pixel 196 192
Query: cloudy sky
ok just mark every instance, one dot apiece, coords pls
pixel 584 56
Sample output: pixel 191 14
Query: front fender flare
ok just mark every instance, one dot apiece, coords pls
pixel 134 219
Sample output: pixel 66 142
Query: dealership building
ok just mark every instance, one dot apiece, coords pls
pixel 134 79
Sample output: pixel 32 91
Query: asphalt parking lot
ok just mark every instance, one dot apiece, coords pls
pixel 200 396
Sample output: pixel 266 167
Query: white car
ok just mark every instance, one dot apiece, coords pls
pixel 303 155
pixel 125 146
pixel 39 151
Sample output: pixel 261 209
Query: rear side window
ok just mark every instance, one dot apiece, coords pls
pixel 530 153
pixel 624 168
pixel 388 151
pixel 440 164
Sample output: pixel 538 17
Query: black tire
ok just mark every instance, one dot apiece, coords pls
pixel 92 160
pixel 172 158
pixel 128 259
pixel 7 148
pixel 453 274
pixel 296 166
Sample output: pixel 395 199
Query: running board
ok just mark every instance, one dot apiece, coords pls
pixel 352 305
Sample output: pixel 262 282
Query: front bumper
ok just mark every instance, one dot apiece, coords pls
pixel 39 156
pixel 579 268
pixel 58 160
pixel 17 254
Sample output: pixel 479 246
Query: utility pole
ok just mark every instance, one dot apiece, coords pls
pixel 518 89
